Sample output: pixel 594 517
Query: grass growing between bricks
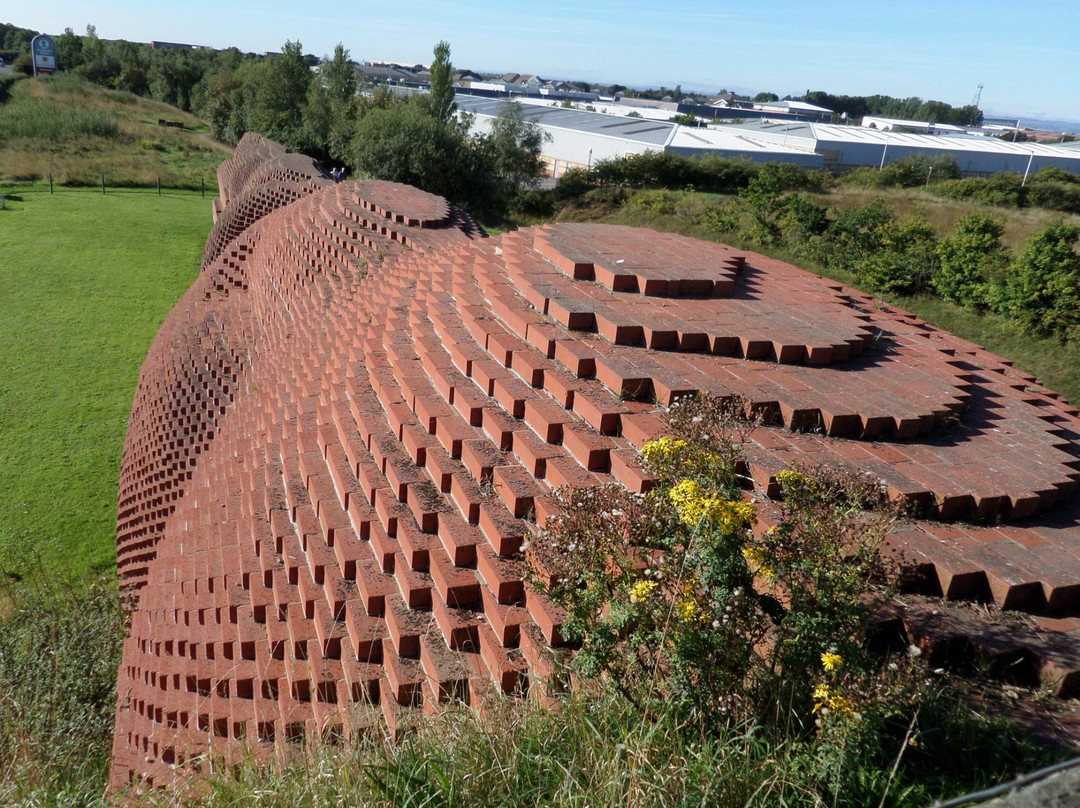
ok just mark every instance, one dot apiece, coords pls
pixel 85 282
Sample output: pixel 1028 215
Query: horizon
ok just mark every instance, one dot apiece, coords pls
pixel 841 47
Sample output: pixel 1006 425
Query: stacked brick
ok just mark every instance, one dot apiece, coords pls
pixel 346 429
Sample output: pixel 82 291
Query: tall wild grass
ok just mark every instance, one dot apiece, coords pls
pixel 40 119
pixel 60 648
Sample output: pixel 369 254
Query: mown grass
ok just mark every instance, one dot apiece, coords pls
pixel 77 131
pixel 87 280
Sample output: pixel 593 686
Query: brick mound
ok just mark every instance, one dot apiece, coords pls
pixel 346 428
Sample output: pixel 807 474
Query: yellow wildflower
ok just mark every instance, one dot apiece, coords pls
pixel 789 477
pixel 693 506
pixel 688 501
pixel 825 701
pixel 831 660
pixel 688 611
pixel 642 591
pixel 662 449
pixel 755 559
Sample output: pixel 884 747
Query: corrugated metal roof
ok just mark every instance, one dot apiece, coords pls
pixel 637 130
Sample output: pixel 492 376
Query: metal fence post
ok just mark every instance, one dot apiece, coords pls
pixel 103 183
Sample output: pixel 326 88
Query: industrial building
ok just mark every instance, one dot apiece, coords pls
pixel 580 138
pixel 844 148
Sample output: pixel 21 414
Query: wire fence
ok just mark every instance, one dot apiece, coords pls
pixel 15 191
pixel 46 184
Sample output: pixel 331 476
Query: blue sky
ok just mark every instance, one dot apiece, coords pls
pixel 1024 53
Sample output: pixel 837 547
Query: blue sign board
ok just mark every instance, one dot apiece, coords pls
pixel 44 49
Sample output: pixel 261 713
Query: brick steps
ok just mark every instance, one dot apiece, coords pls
pixel 348 426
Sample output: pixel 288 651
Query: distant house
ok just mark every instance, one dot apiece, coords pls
pixel 730 101
pixel 527 83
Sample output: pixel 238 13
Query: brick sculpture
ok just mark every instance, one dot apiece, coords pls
pixel 346 428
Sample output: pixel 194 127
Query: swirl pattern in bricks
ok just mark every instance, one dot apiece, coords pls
pixel 347 427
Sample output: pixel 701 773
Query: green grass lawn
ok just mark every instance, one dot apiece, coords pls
pixel 85 282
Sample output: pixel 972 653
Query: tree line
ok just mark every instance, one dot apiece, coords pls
pixel 912 109
pixel 321 108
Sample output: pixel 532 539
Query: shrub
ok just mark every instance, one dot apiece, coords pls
pixel 854 235
pixel 675 172
pixel 677 600
pixel 972 259
pixel 658 201
pixel 1042 284
pixel 1004 189
pixel 907 172
pixel 714 627
pixel 723 218
pixel 905 259
pixel 802 222
pixel 764 200
pixel 1054 189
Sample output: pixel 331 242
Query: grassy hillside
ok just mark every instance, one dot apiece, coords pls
pixel 78 131
pixel 87 280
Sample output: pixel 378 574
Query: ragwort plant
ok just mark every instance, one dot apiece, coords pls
pixel 682 597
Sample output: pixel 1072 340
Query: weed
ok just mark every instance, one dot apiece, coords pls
pixel 59 651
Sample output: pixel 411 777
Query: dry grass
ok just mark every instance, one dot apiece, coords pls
pixel 943 213
pixel 141 153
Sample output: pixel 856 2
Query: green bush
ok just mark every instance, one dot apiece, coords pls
pixel 802 223
pixel 722 219
pixel 659 201
pixel 675 172
pixel 1054 189
pixel 706 622
pixel 907 172
pixel 1004 189
pixel 905 260
pixel 973 261
pixel 1041 290
pixel 679 603
pixel 853 236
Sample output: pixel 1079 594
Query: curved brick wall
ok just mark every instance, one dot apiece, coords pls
pixel 347 426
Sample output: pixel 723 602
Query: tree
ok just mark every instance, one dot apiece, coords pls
pixel 275 96
pixel 441 98
pixel 1042 283
pixel 404 142
pixel 765 97
pixel 515 149
pixel 338 76
pixel 906 258
pixel 685 119
pixel 223 107
pixel 69 50
pixel 971 258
